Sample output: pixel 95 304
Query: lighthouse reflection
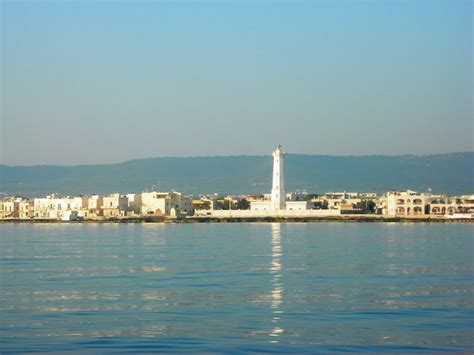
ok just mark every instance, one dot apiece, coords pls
pixel 277 285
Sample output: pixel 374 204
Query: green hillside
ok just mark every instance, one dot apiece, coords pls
pixel 445 173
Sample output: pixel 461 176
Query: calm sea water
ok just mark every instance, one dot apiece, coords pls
pixel 237 287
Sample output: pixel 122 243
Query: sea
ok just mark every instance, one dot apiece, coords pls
pixel 236 287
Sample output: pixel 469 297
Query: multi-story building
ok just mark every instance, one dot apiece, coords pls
pixel 467 204
pixel 165 203
pixel 204 203
pixel 26 209
pixel 93 206
pixel 405 203
pixel 47 207
pixel 342 200
pixel 187 207
pixel 9 208
pixel 54 207
pixel 442 205
pixel 71 204
pixel 114 205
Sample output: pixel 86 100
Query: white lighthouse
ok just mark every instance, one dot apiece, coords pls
pixel 278 186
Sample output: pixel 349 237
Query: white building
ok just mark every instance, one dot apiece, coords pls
pixel 93 207
pixel 165 203
pixel 114 205
pixel 405 203
pixel 46 207
pixel 299 205
pixel 9 208
pixel 26 209
pixel 444 205
pixel 71 203
pixel 53 207
pixel 279 200
pixel 16 208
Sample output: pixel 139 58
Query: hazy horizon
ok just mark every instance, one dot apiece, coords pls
pixel 107 82
pixel 243 155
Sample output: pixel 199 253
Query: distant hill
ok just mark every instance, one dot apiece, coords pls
pixel 443 173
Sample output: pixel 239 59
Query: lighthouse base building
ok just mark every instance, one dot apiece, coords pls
pixel 278 205
pixel 278 197
pixel 275 204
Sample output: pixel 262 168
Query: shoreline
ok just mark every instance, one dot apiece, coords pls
pixel 207 219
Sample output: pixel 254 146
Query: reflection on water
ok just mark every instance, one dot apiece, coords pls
pixel 277 283
pixel 236 288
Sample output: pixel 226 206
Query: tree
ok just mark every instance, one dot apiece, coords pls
pixel 366 206
pixel 222 204
pixel 243 204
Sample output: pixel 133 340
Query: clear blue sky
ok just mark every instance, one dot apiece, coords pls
pixel 108 81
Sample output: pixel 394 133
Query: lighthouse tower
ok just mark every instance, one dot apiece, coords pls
pixel 278 187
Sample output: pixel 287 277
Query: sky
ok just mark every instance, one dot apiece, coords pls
pixel 88 82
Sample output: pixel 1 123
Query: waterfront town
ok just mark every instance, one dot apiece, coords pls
pixel 279 204
pixel 174 205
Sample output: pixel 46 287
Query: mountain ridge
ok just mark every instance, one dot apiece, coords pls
pixel 451 173
pixel 237 156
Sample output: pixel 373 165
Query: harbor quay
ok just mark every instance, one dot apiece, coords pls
pixel 278 205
